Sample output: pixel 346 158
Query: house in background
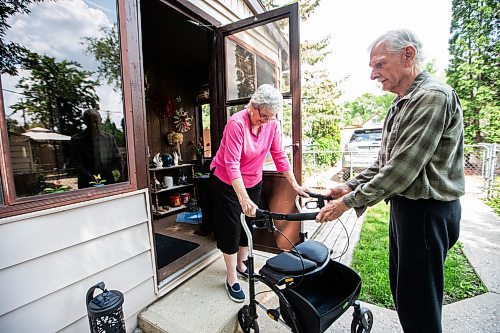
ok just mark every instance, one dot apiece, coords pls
pixel 55 246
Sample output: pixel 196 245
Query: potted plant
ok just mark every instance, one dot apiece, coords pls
pixel 98 181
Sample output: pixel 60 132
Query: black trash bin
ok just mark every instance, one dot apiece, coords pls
pixel 105 310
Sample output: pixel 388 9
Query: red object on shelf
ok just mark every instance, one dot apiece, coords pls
pixel 175 200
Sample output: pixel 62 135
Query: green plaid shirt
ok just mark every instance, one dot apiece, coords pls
pixel 421 154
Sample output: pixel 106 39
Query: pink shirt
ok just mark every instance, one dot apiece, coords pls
pixel 241 153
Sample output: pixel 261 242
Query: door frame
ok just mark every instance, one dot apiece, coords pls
pixel 220 117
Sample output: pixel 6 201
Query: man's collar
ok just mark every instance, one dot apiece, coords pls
pixel 424 75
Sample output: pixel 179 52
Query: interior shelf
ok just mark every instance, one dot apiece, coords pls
pixel 171 167
pixel 171 188
pixel 170 210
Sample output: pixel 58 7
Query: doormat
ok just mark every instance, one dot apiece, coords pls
pixel 169 249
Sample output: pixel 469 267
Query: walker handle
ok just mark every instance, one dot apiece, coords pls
pixel 301 216
pixel 261 213
pixel 321 198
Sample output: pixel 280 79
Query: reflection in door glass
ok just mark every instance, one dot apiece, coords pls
pixel 62 89
pixel 257 56
pixel 207 140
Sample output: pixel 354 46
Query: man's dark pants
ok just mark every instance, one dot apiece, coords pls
pixel 420 234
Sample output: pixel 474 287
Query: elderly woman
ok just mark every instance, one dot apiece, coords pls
pixel 237 177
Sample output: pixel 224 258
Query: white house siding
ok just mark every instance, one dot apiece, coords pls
pixel 49 259
pixel 224 11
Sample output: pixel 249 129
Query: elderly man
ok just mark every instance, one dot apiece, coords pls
pixel 419 170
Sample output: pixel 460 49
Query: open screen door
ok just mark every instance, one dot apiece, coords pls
pixel 257 50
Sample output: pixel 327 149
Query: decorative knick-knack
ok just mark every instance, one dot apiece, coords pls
pixel 176 158
pixel 157 161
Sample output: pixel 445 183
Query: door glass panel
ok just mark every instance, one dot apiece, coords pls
pixel 63 97
pixel 257 56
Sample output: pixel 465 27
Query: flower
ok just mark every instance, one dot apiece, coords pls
pixel 97 180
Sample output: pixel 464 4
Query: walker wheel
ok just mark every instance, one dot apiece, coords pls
pixel 364 323
pixel 247 323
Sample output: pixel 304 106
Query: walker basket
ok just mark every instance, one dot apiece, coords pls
pixel 322 298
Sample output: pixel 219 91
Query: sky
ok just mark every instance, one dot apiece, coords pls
pixel 55 29
pixel 354 24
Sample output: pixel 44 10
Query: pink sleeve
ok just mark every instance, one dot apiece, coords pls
pixel 234 145
pixel 278 152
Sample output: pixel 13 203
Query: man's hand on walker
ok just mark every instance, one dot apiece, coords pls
pixel 339 191
pixel 332 211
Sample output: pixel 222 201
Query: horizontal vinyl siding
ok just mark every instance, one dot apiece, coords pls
pixel 53 232
pixel 225 11
pixel 49 262
pixel 133 305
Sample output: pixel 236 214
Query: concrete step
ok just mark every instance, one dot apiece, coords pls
pixel 200 304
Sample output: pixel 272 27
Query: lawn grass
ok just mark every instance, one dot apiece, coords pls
pixel 371 261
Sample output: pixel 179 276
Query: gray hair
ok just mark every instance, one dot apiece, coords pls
pixel 267 96
pixel 396 40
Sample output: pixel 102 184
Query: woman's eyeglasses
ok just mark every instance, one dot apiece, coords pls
pixel 265 116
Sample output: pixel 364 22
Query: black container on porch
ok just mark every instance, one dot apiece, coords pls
pixel 105 310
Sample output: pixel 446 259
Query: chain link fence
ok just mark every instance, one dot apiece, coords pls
pixel 482 168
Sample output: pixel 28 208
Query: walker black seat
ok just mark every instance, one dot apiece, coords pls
pixel 306 258
pixel 287 263
pixel 314 251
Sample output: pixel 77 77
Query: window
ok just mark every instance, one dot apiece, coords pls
pixel 62 98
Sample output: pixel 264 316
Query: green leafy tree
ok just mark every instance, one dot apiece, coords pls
pixel 473 69
pixel 56 93
pixel 364 107
pixel 109 127
pixel 106 50
pixel 11 54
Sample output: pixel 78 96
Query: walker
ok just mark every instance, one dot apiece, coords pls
pixel 313 289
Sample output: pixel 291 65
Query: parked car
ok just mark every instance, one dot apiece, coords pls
pixel 361 151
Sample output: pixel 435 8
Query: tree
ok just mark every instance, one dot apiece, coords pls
pixel 109 127
pixel 473 69
pixel 106 50
pixel 364 107
pixel 11 54
pixel 56 93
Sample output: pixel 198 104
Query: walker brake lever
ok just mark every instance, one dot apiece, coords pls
pixel 266 216
pixel 321 198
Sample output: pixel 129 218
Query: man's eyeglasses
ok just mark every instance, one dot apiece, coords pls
pixel 265 116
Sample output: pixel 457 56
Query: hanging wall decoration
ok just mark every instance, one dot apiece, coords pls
pixel 169 108
pixel 182 120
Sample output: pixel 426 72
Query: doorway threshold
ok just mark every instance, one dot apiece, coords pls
pixel 187 272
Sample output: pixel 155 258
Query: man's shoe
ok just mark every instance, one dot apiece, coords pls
pixel 235 292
